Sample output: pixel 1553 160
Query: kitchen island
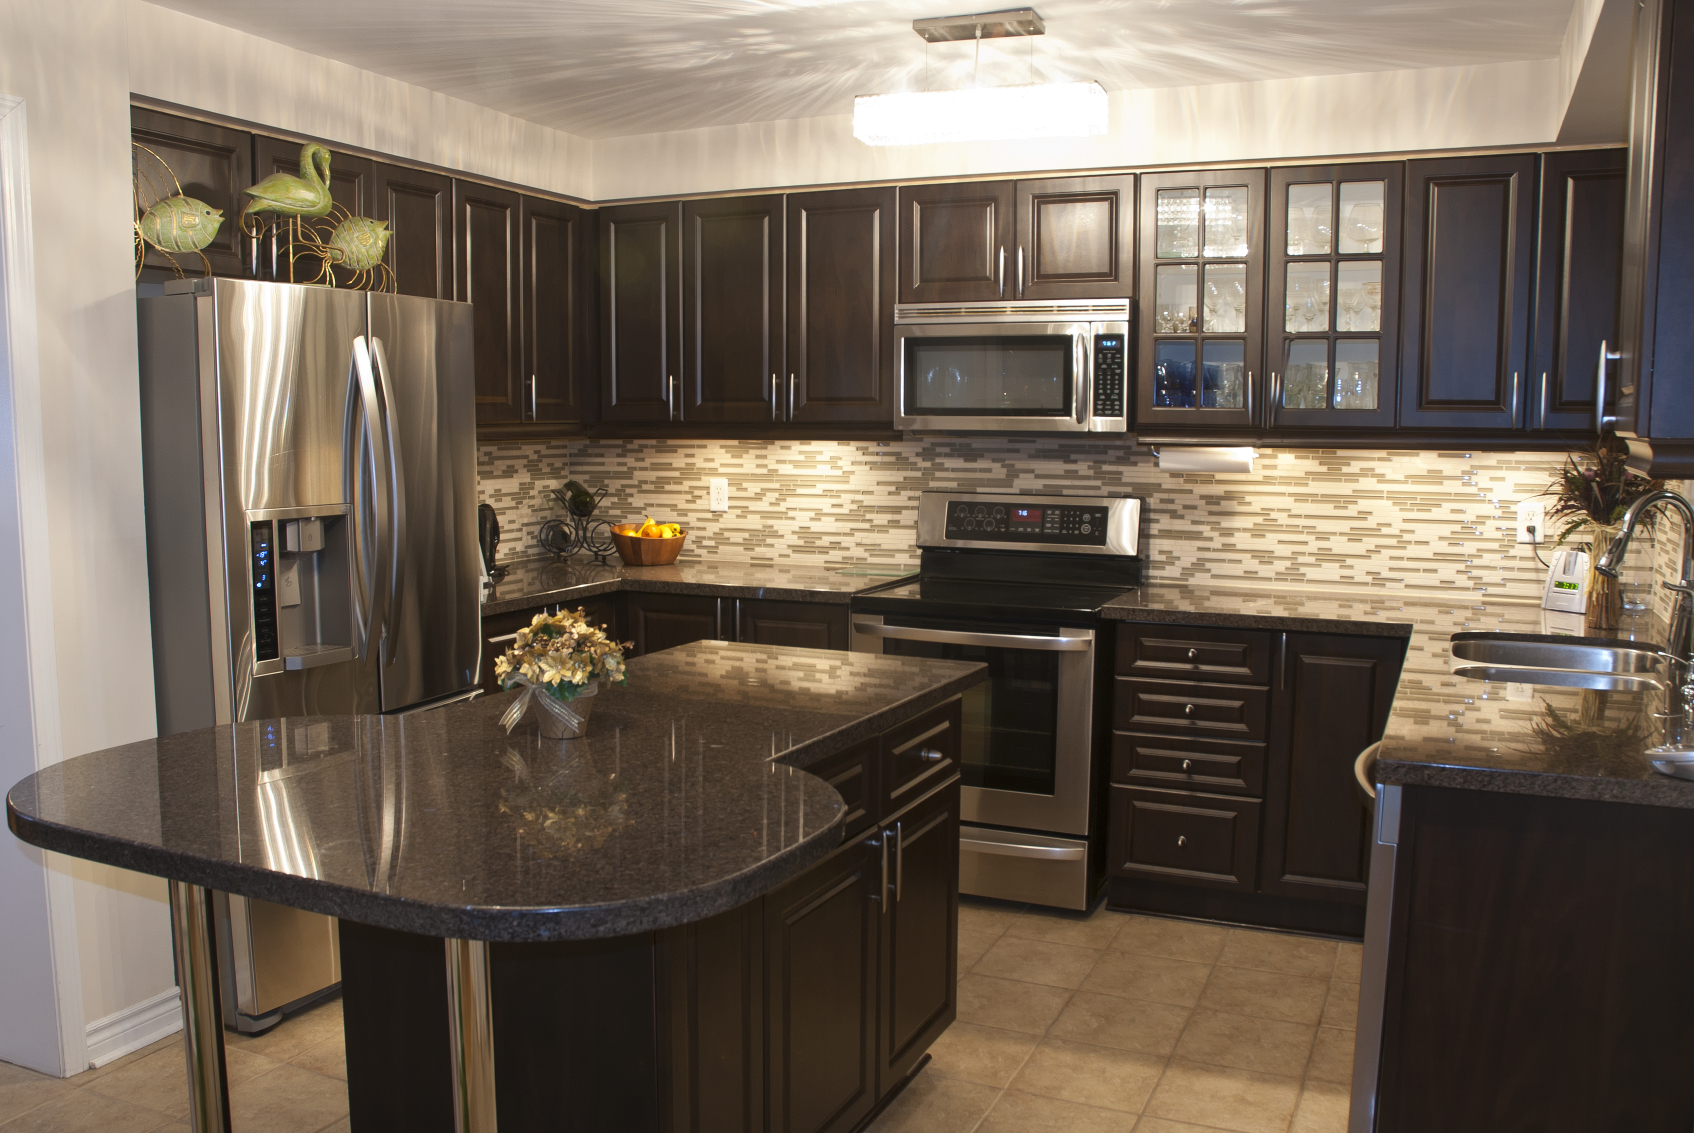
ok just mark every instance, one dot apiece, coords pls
pixel 610 873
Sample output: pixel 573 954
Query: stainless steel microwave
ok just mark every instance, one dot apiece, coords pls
pixel 1056 367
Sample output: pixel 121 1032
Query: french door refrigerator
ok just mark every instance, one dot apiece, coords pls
pixel 310 479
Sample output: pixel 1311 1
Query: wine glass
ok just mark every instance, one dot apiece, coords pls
pixel 1238 303
pixel 1364 226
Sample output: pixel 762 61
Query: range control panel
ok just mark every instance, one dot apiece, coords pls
pixel 1015 523
pixel 1108 375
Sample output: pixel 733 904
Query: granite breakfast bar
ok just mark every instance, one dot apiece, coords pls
pixel 480 875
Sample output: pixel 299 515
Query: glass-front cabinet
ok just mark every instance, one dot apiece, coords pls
pixel 1331 313
pixel 1201 298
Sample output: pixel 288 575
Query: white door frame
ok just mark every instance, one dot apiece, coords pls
pixel 30 739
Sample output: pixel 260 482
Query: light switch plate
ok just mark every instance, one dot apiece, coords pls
pixel 1532 514
pixel 718 491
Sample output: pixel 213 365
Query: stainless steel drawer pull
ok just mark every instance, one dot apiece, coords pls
pixel 1182 839
pixel 1187 763
pixel 1193 653
pixel 1188 710
pixel 930 755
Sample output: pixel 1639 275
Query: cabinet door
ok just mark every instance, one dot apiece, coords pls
pixel 1178 836
pixel 212 164
pixel 920 932
pixel 821 940
pixel 1332 316
pixel 732 297
pixel 1202 299
pixel 1470 241
pixel 554 235
pixel 841 307
pixel 955 240
pixel 808 625
pixel 660 621
pixel 1075 238
pixel 1332 697
pixel 486 275
pixel 712 1004
pixel 1579 275
pixel 418 207
pixel 352 186
pixel 640 303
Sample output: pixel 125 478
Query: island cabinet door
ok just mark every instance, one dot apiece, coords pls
pixel 822 932
pixel 712 1006
pixel 920 931
pixel 1332 695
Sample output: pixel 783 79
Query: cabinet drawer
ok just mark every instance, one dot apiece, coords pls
pixel 1225 711
pixel 919 754
pixel 853 773
pixel 1227 656
pixel 1188 763
pixel 1179 836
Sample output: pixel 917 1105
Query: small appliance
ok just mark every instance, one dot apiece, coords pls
pixel 1567 583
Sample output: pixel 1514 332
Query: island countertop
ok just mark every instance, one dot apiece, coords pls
pixel 687 797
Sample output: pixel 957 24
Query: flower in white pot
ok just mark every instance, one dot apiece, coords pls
pixel 559 660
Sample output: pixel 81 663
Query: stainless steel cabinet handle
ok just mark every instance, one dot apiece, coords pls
pixel 1188 710
pixel 1275 405
pixel 1020 271
pixel 1282 664
pixel 930 755
pixel 1186 764
pixel 1002 271
pixel 775 400
pixel 791 396
pixel 533 411
pixel 1515 384
pixel 1193 653
pixel 1541 417
pixel 1601 421
pixel 1182 839
pixel 882 844
pixel 681 410
pixel 899 861
pixel 992 640
pixel 1251 420
pixel 670 397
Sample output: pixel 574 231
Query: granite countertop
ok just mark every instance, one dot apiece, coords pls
pixel 687 797
pixel 527 583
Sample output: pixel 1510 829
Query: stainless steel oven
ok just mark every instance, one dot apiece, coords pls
pixel 1012 367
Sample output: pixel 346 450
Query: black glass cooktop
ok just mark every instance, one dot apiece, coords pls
pixel 998 601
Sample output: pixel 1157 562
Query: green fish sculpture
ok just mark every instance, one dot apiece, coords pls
pixel 180 224
pixel 288 195
pixel 359 243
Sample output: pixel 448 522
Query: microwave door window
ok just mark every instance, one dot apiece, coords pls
pixel 990 376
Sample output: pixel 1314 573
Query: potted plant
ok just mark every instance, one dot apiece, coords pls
pixel 560 661
pixel 1591 492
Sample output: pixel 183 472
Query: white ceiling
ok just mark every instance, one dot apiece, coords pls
pixel 642 66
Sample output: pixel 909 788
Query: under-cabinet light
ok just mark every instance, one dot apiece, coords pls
pixel 1037 110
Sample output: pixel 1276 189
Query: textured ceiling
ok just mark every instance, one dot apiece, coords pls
pixel 642 66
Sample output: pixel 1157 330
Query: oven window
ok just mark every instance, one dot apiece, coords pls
pixel 990 375
pixel 1010 721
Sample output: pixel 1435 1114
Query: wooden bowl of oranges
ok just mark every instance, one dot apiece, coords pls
pixel 648 543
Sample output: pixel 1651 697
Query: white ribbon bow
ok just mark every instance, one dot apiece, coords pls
pixel 514 712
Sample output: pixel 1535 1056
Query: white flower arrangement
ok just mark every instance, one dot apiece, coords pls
pixel 560 654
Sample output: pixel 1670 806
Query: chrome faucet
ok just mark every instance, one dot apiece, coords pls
pixel 1681 629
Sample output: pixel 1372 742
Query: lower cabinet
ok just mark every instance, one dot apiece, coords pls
pixel 664 621
pixel 808 625
pixel 661 621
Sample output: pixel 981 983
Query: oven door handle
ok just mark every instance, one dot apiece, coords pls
pixel 991 640
pixel 1020 850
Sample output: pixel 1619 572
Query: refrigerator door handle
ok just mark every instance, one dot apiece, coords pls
pixel 359 435
pixel 397 503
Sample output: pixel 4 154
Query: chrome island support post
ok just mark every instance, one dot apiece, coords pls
pixel 202 1013
pixel 470 1019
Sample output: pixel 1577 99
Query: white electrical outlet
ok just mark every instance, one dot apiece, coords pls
pixel 718 490
pixel 1532 514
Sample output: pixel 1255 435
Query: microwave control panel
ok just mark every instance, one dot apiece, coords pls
pixel 1108 375
pixel 1080 526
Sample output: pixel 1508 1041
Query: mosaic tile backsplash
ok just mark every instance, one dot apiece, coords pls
pixel 1419 523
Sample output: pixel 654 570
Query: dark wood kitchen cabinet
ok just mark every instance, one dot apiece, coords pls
pixel 556 249
pixel 660 621
pixel 212 164
pixel 487 274
pixel 732 300
pixel 640 312
pixel 919 946
pixel 954 240
pixel 418 207
pixel 841 279
pixel 663 621
pixel 808 625
pixel 1465 304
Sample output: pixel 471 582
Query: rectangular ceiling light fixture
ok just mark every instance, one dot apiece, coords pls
pixel 1034 110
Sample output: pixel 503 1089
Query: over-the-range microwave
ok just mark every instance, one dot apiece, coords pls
pixel 1054 367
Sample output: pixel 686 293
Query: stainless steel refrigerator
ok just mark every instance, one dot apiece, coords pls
pixel 310 465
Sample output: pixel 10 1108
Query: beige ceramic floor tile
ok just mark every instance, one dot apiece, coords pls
pixel 987 1056
pixel 1154 978
pixel 1126 1024
pixel 22 1090
pixel 328 1057
pixel 294 1035
pixel 1090 1075
pixel 160 1081
pixel 1080 929
pixel 1038 962
pixel 972 946
pixel 1170 938
pixel 132 1057
pixel 1225 1098
pixel 82 1111
pixel 1028 1113
pixel 342 1126
pixel 1279 952
pixel 1265 995
pixel 1323 1109
pixel 1247 1043
pixel 1010 1004
pixel 1332 1056
pixel 932 1104
pixel 1161 1125
pixel 1341 1009
pixel 287 1100
pixel 982 914
pixel 1348 960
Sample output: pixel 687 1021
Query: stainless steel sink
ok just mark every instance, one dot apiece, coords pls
pixel 1564 678
pixel 1614 666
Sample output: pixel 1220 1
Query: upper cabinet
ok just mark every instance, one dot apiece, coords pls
pixel 1578 277
pixel 1331 327
pixel 1465 310
pixel 640 312
pixel 841 307
pixel 1202 299
pixel 486 275
pixel 986 241
pixel 352 186
pixel 418 207
pixel 732 359
pixel 556 247
pixel 212 164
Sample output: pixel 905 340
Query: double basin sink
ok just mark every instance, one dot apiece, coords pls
pixel 1571 662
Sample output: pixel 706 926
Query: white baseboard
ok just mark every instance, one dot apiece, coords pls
pixel 133 1028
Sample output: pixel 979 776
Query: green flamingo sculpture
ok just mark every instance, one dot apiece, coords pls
pixel 288 195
